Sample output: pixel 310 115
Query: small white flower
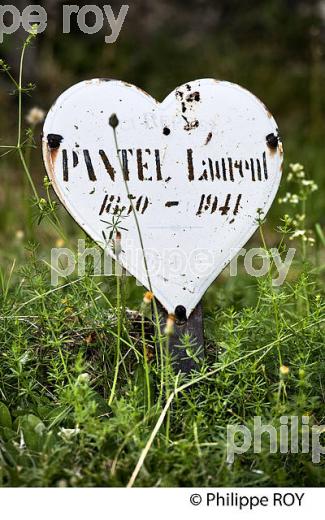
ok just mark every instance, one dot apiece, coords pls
pixel 296 167
pixel 310 184
pixel 24 358
pixel 300 218
pixel 294 199
pixel 298 233
pixel 83 378
pixel 19 234
pixel 286 198
pixel 35 116
pixel 68 433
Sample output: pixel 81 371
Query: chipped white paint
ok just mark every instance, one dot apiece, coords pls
pixel 199 166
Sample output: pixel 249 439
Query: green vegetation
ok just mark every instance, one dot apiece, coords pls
pixel 86 397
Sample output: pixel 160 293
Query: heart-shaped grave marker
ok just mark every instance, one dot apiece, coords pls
pixel 196 169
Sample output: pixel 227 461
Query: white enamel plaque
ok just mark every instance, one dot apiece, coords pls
pixel 198 167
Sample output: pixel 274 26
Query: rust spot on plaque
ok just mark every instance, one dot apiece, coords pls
pixel 48 156
pixel 190 125
pixel 54 141
pixel 272 142
pixel 194 96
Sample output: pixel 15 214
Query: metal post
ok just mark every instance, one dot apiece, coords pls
pixel 182 360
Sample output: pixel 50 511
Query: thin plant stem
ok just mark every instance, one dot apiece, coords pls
pixel 156 314
pixel 21 64
pixel 27 172
pixel 145 360
pixel 28 156
pixel 118 340
pixel 304 257
pixel 57 225
pixel 275 307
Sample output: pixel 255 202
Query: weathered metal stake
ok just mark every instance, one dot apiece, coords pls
pixel 182 360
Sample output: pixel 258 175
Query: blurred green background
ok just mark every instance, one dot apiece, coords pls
pixel 274 48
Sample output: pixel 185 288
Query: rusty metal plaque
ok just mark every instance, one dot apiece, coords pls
pixel 197 168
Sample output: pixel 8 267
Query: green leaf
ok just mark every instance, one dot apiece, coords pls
pixel 7 434
pixel 5 417
pixel 34 431
pixel 320 233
